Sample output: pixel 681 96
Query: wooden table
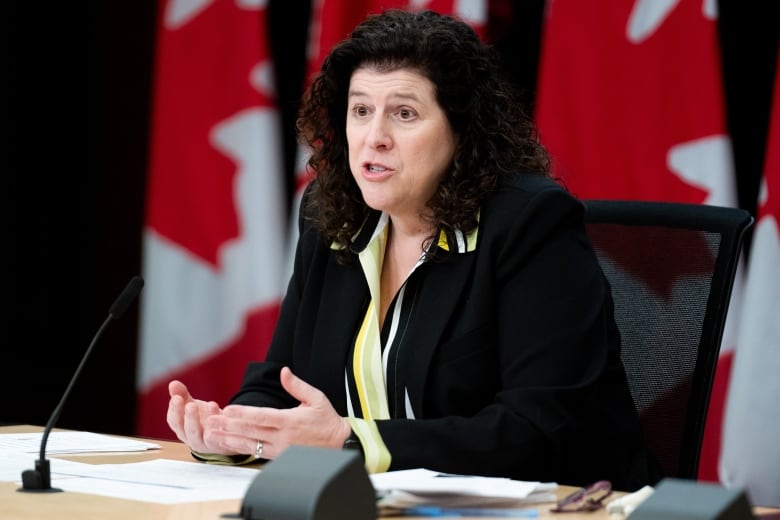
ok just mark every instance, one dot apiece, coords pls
pixel 71 505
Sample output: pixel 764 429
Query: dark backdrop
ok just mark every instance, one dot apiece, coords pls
pixel 75 86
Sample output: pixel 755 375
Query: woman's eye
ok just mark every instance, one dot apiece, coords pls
pixel 360 111
pixel 405 113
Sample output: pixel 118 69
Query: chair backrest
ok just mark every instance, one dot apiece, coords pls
pixel 671 267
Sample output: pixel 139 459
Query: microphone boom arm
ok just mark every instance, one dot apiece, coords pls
pixel 39 479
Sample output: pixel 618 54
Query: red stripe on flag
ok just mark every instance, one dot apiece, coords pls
pixel 215 232
pixel 205 377
pixel 711 442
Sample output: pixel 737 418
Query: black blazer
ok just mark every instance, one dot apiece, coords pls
pixel 514 369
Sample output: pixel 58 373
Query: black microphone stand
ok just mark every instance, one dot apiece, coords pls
pixel 38 480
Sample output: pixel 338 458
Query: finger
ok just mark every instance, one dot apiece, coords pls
pixel 297 387
pixel 175 417
pixel 331 429
pixel 193 427
pixel 212 408
pixel 230 443
pixel 180 389
pixel 230 436
pixel 250 421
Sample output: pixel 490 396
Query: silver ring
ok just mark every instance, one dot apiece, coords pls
pixel 259 449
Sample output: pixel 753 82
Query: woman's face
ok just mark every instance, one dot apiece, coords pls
pixel 400 141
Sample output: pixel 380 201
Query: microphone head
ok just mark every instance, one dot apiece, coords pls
pixel 126 297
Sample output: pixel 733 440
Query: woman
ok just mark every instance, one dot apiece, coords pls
pixel 446 309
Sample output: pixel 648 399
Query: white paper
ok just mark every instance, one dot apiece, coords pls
pixel 161 481
pixel 13 464
pixel 70 442
pixel 407 488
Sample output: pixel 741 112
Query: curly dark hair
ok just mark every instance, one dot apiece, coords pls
pixel 496 136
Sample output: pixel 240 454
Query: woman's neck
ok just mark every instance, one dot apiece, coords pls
pixel 402 252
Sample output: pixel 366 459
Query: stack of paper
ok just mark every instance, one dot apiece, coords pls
pixel 416 487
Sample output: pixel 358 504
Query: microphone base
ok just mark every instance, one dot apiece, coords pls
pixel 47 490
pixel 38 480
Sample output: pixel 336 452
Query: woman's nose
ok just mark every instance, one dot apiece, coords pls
pixel 378 133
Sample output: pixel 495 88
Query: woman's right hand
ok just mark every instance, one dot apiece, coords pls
pixel 187 418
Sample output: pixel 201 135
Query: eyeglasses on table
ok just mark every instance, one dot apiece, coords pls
pixel 589 498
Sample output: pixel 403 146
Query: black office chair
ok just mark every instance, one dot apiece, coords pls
pixel 671 267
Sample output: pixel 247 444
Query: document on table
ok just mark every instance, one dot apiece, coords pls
pixel 417 487
pixel 61 442
pixel 12 465
pixel 160 481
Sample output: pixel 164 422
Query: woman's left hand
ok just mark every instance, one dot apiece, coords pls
pixel 314 422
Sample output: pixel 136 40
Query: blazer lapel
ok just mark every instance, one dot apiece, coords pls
pixel 442 287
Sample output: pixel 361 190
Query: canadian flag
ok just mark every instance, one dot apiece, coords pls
pixel 331 22
pixel 750 458
pixel 630 105
pixel 215 231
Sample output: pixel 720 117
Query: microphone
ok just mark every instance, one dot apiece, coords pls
pixel 39 479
